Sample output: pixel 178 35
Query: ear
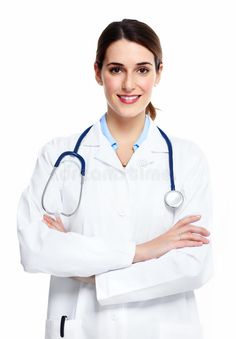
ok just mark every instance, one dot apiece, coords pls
pixel 97 73
pixel 158 74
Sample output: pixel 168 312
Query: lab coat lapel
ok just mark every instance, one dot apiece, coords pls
pixel 150 148
pixel 103 151
pixel 144 155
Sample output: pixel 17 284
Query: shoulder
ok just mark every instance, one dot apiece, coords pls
pixel 188 152
pixel 61 142
pixel 186 145
pixel 54 147
pixel 57 145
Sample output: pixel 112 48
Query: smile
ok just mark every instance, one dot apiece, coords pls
pixel 129 99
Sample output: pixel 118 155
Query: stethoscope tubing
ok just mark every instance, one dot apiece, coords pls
pixel 74 153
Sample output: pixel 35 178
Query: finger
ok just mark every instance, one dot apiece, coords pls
pixel 195 229
pixel 49 219
pixel 58 219
pixel 60 223
pixel 52 222
pixel 194 237
pixel 48 224
pixel 188 243
pixel 188 220
pixel 60 228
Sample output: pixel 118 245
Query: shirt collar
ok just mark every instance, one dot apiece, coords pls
pixel 97 143
pixel 112 141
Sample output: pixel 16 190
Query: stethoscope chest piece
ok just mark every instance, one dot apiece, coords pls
pixel 174 199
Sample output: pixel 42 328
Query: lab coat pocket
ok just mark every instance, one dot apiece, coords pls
pixel 62 328
pixel 180 331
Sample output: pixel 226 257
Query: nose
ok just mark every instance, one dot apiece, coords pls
pixel 128 83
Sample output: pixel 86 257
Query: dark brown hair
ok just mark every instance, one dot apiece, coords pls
pixel 135 31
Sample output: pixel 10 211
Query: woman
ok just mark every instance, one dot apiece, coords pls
pixel 126 264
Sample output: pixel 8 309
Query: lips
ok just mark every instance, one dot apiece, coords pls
pixel 129 99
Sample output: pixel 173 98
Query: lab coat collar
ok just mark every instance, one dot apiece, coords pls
pixel 143 156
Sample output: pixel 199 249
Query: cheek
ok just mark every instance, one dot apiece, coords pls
pixel 147 86
pixel 111 85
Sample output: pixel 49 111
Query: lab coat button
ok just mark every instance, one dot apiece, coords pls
pixel 114 317
pixel 122 213
pixel 142 162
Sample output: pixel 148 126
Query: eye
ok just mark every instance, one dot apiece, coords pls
pixel 114 69
pixel 146 70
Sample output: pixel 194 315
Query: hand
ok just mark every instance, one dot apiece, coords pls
pixel 57 224
pixel 182 234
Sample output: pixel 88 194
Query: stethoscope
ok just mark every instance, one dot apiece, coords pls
pixel 173 198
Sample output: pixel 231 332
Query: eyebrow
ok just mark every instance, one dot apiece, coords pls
pixel 138 64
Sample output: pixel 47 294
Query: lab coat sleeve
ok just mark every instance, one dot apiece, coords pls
pixel 179 270
pixel 57 253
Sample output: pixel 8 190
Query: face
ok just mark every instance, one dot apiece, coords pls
pixel 128 76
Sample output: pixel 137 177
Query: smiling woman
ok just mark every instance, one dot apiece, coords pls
pixel 126 261
pixel 129 73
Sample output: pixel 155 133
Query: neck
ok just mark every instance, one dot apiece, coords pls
pixel 125 130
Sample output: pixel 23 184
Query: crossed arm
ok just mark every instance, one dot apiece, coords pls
pixel 182 234
pixel 54 250
pixel 57 225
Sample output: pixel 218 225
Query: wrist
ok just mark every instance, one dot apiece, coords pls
pixel 141 253
pixel 87 280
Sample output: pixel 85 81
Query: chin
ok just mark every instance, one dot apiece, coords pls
pixel 126 114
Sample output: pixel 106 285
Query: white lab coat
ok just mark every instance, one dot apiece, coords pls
pixel 120 207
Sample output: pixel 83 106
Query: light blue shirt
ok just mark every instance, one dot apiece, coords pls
pixel 141 138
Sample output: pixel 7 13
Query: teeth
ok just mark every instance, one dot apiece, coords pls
pixel 129 98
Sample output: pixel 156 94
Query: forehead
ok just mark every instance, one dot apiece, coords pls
pixel 128 52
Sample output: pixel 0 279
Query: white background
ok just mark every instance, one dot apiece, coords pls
pixel 48 89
